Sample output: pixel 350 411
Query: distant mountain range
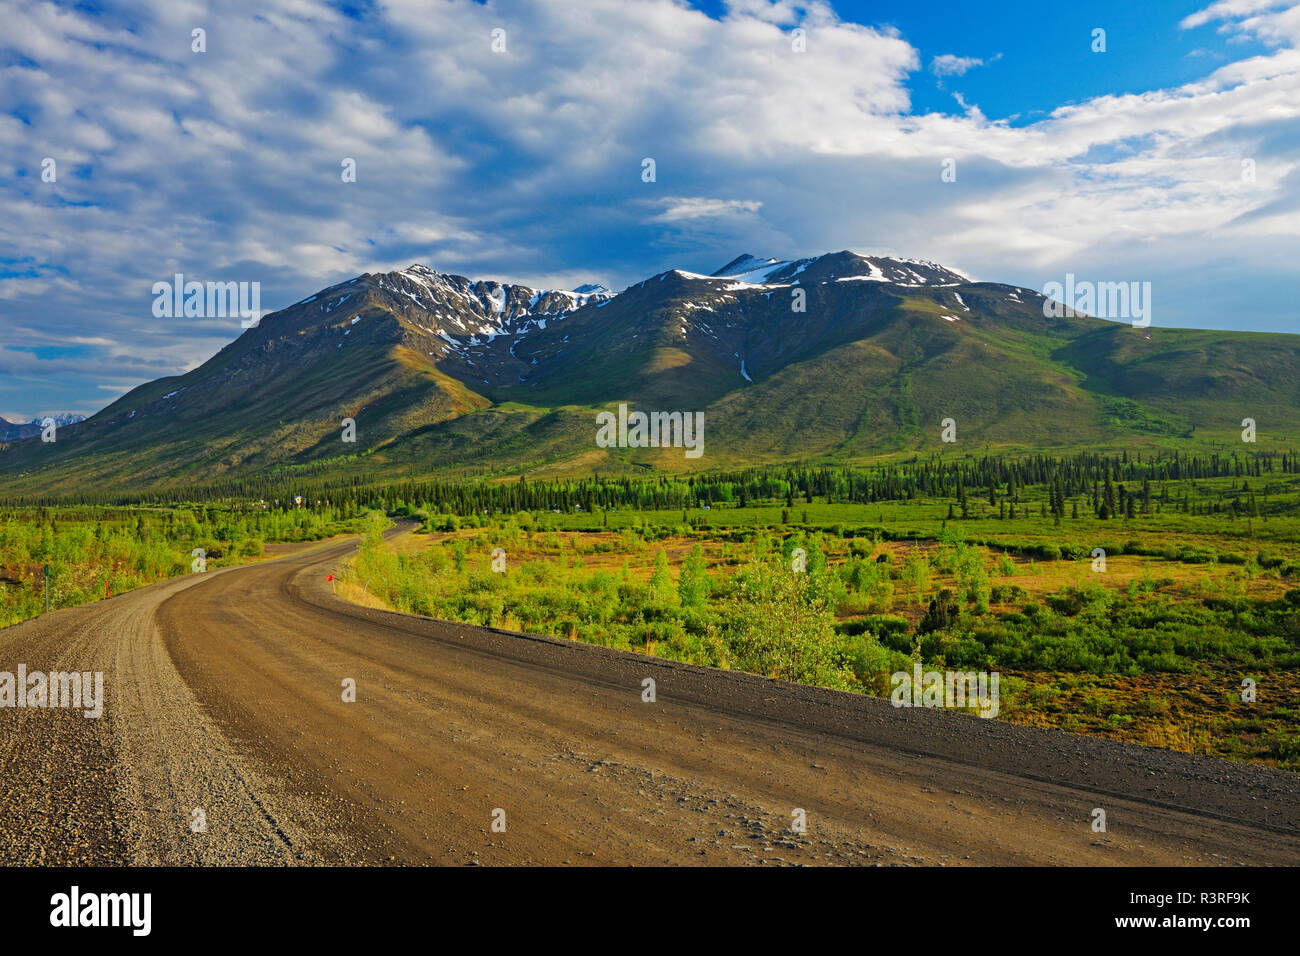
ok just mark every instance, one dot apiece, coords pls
pixel 12 431
pixel 831 358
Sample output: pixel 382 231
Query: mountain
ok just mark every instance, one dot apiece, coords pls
pixel 833 357
pixel 13 431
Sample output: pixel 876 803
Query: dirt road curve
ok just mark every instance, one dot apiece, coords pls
pixel 224 694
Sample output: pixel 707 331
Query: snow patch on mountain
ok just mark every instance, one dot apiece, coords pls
pixel 836 266
pixel 472 312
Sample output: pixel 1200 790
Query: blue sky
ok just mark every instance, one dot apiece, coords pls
pixel 1038 56
pixel 525 164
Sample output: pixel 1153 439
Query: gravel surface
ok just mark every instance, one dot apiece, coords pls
pixel 224 694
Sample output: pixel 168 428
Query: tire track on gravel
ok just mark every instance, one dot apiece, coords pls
pixel 120 788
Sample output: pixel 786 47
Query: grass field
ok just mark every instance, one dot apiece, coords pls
pixel 95 552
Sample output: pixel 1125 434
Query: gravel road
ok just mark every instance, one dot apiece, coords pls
pixel 224 694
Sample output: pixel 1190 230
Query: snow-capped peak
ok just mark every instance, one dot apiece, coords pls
pixel 837 267
pixel 744 264
pixel 60 419
pixel 467 313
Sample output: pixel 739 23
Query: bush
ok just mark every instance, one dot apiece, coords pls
pixel 693 582
pixel 942 613
pixel 775 624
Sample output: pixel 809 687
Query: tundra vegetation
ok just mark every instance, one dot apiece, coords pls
pixel 972 564
pixel 93 550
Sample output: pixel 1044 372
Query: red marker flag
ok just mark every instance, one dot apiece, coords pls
pixel 330 579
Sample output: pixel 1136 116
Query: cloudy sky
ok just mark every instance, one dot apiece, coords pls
pixel 1172 157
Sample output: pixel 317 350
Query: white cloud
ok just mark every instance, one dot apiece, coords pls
pixel 694 207
pixel 1275 22
pixel 1229 10
pixel 951 65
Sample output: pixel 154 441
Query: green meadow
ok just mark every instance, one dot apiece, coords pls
pixel 95 551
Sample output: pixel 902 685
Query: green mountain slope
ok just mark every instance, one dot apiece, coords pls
pixel 836 357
